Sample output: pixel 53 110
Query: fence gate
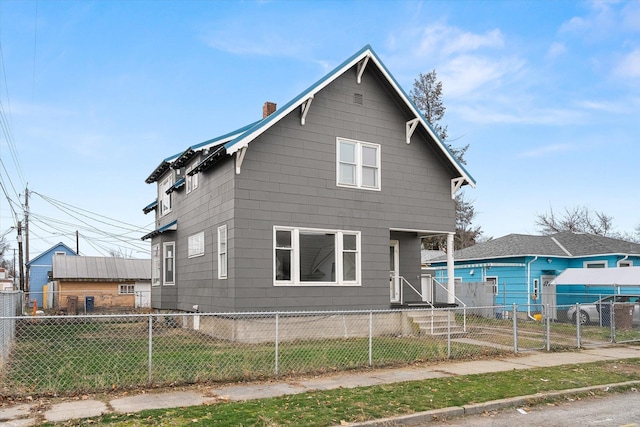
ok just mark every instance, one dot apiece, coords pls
pixel 530 332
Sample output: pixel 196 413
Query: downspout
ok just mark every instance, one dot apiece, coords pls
pixel 529 286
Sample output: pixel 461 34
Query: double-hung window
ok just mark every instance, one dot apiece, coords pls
pixel 169 263
pixel 305 256
pixel 222 252
pixel 164 198
pixel 156 267
pixel 358 164
pixel 191 180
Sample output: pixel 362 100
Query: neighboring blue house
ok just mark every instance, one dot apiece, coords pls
pixel 523 267
pixel 39 269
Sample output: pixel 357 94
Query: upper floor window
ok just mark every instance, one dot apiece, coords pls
pixel 191 180
pixel 358 164
pixel 625 264
pixel 311 256
pixel 124 289
pixel 164 198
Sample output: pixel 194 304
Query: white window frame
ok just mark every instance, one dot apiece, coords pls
pixel 359 166
pixel 126 289
pixel 60 253
pixel 164 199
pixel 195 245
pixel 594 264
pixel 192 181
pixel 164 263
pixel 338 257
pixel 494 283
pixel 223 250
pixel 626 263
pixel 156 265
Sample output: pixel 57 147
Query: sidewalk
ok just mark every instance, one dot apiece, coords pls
pixel 29 415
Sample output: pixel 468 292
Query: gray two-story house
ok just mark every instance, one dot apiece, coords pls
pixel 320 205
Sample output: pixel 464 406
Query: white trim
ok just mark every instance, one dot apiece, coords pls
pixel 362 65
pixel 367 53
pixel 164 263
pixel 192 241
pixel 586 264
pixel 304 109
pixel 158 267
pixel 338 257
pixel 191 181
pixel 410 128
pixel 223 252
pixel 163 196
pixel 358 165
pixel 240 158
pixel 121 285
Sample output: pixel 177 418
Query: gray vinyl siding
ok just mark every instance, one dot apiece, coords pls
pixel 288 178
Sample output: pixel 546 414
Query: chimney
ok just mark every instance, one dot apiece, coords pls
pixel 268 109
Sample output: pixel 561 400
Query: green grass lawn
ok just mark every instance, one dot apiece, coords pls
pixel 333 407
pixel 65 357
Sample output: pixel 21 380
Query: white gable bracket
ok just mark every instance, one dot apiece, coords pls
pixel 361 66
pixel 456 183
pixel 304 109
pixel 239 158
pixel 411 127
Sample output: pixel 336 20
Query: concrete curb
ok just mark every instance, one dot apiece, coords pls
pixel 479 408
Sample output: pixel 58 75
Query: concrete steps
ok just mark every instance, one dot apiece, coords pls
pixel 436 322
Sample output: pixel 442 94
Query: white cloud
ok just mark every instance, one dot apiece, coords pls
pixel 465 74
pixel 546 150
pixel 556 49
pixel 516 114
pixel 629 65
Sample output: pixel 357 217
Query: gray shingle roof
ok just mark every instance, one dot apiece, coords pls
pixel 566 245
pixel 100 268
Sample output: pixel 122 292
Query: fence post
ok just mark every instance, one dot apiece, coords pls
pixel 449 333
pixel 150 362
pixel 548 320
pixel 276 349
pixel 578 325
pixel 612 321
pixel 514 316
pixel 370 338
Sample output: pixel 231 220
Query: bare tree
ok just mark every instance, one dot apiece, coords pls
pixel 576 219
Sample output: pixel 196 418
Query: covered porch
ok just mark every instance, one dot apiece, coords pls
pixel 409 284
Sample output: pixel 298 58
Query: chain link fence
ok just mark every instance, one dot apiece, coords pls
pixel 10 306
pixel 72 354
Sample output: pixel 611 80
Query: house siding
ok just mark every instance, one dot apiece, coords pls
pixel 288 178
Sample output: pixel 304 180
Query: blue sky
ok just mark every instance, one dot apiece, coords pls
pixel 94 94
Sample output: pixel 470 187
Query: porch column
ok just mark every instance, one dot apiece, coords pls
pixel 451 283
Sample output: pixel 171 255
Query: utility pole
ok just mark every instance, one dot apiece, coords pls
pixel 20 258
pixel 77 242
pixel 26 232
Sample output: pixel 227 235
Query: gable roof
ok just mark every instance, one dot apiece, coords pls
pixel 237 140
pixel 564 245
pixel 52 249
pixel 100 268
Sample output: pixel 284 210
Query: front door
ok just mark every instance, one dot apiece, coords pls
pixel 549 296
pixel 394 271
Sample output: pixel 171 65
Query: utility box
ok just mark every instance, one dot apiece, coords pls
pixel 623 315
pixel 89 304
pixel 72 305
